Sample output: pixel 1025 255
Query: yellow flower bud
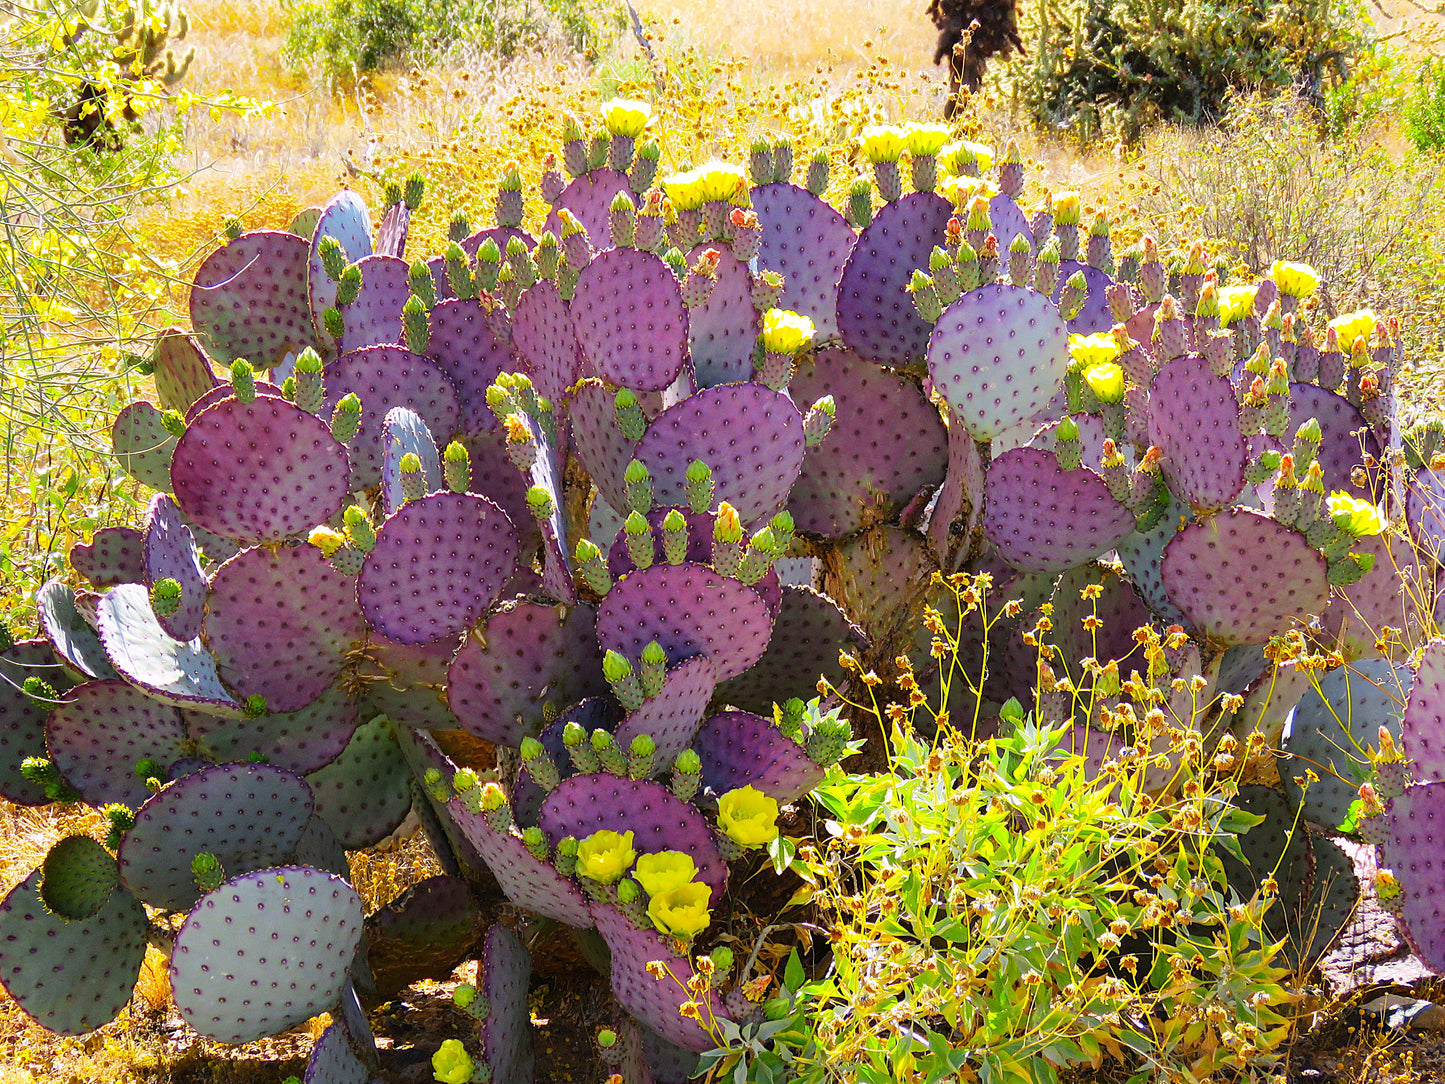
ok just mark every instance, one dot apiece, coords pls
pixel 1359 517
pixel 664 871
pixel 1294 279
pixel 605 856
pixel 626 117
pixel 786 332
pixel 326 540
pixel 883 143
pixel 1094 349
pixel 1352 326
pixel 748 817
pixel 1106 381
pixel 681 912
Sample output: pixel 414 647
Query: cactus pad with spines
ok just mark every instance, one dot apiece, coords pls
pixel 1240 578
pixel 466 344
pixel 374 318
pixel 1412 850
pixel 723 330
pixel 1425 512
pixel 22 720
pixel 105 724
pixel 169 552
pixel 438 564
pixel 299 741
pixel 1345 433
pixel 740 749
pixel 531 653
pixel 1424 718
pixel 182 372
pixel 1194 421
pixel 248 300
pixel 876 317
pixel 998 355
pixel 403 432
pixel 807 242
pixel 142 446
pixel 77 878
pixel 589 198
pixel 956 512
pixel 264 952
pixel 671 717
pixel 113 555
pixel 630 319
pixel 75 642
pixel 1042 518
pixel 545 338
pixel 363 794
pixel 332 1060
pixel 506 1032
pixel 225 391
pixel 1094 316
pixel 1399 592
pixel 248 815
pixel 346 218
pixel 600 445
pixel 179 672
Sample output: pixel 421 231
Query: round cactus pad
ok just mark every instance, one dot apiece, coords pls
pixel 887 442
pixel 1347 438
pixel 249 299
pixel 1095 315
pixel 528 881
pixel 22 720
pixel 1424 723
pixel 71 976
pixel 279 624
pixel 690 610
pixel 1194 421
pixel 997 355
pixel 740 749
pixel 808 633
pixel 402 433
pixel 142 446
pixel 264 952
pixel 653 1001
pixel 532 654
pixel 545 339
pixel 1425 512
pixel 112 556
pixel 299 741
pixel 1042 518
pixel 259 471
pixel 438 564
pixel 1240 578
pixel 464 340
pixel 506 1033
pixel 179 672
pixel 248 815
pixel 1412 850
pixel 182 373
pixel 751 437
pixel 226 391
pixel 1006 220
pixel 169 552
pixel 346 218
pixel 630 319
pixel 101 730
pixel 75 642
pixel 364 793
pixel 671 717
pixel 333 1061
pixel 77 878
pixel 807 242
pixel 1333 727
pixel 722 332
pixel 604 451
pixel 876 316
pixel 589 198
pixel 384 377
pixel 374 318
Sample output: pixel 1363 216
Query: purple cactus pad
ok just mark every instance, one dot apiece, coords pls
pixel 1240 578
pixel 404 680
pixel 226 391
pixel 346 218
pixel 264 952
pixel 249 299
pixel 506 1034
pixel 438 564
pixel 690 610
pixel 527 880
pixel 101 730
pixel 1095 316
pixel 1142 554
pixel 807 242
pixel 1006 221
pixel 467 343
pixel 751 437
pixel 658 819
pixel 1194 421
pixel 604 451
pixel 1424 741
pixel 248 815
pixel 589 198
pixel 630 319
pixel 1400 592
pixel 142 446
pixel 179 672
pixel 169 552
pixel 722 332
pixel 384 377
pixel 997 355
pixel 332 1060
pixel 280 623
pixel 876 317
pixel 112 556
pixel 1042 518
pixel 1347 438
pixel 364 793
pixel 374 317
pixel 808 633
pixel 1413 852
pixel 740 749
pixel 959 503
pixel 70 976
pixel 546 340
pixel 886 444
pixel 75 642
pixel 391 233
pixel 182 373
pixel 402 433
pixel 532 654
pixel 259 471
pixel 671 717
pixel 299 741
pixel 422 934
pixel 22 720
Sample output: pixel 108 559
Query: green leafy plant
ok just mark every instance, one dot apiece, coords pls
pixel 1424 120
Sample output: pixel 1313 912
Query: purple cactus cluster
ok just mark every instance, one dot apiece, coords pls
pixel 613 500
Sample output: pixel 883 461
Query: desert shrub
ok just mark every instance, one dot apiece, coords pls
pixel 1114 66
pixel 342 39
pixel 1424 119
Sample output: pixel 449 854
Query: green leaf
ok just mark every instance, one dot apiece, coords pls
pixel 793 974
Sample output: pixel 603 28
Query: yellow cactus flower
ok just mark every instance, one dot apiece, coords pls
pixel 786 332
pixel 681 912
pixel 925 139
pixel 1294 279
pixel 748 817
pixel 883 143
pixel 1068 209
pixel 451 1064
pixel 1106 381
pixel 626 117
pixel 1352 326
pixel 980 153
pixel 1094 349
pixel 722 182
pixel 326 540
pixel 684 190
pixel 960 191
pixel 1235 303
pixel 605 856
pixel 1359 517
pixel 664 871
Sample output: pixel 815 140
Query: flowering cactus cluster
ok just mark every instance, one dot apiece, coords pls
pixel 612 501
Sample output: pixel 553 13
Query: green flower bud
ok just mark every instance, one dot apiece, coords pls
pixel 359 529
pixel 165 597
pixel 628 412
pixel 38 689
pixel 640 755
pixel 243 381
pixel 207 872
pixel 457 467
pixel 415 325
pixel 333 257
pixel 231 227
pixel 535 842
pixel 540 503
pixel 608 755
pixel 700 487
pixel 414 191
pixel 346 418
pixel 174 423
pixel 459 227
pixel 349 286
pixel 584 759
pixel 148 768
pixel 637 481
pixel 332 320
pixel 465 780
pixel 615 668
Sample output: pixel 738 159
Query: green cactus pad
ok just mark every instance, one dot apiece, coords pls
pixel 77 878
pixel 264 952
pixel 142 446
pixel 249 299
pixel 71 976
pixel 364 794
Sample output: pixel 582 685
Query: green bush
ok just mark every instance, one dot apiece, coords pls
pixel 1425 114
pixel 345 39
pixel 1111 67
